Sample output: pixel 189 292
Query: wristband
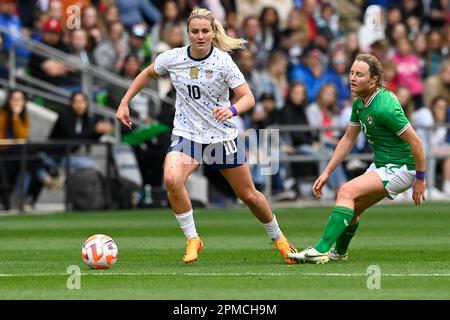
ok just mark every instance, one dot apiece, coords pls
pixel 233 110
pixel 420 175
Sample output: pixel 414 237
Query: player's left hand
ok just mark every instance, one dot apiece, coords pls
pixel 418 194
pixel 221 114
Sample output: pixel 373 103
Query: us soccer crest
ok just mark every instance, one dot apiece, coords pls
pixel 193 72
pixel 209 74
pixel 370 120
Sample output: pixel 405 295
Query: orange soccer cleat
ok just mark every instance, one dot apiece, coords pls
pixel 193 247
pixel 285 247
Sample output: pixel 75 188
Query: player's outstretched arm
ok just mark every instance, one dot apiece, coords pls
pixel 418 152
pixel 343 148
pixel 143 79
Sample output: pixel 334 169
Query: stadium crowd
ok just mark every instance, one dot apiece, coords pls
pixel 296 62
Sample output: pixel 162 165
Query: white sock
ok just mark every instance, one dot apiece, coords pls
pixel 446 186
pixel 187 224
pixel 272 229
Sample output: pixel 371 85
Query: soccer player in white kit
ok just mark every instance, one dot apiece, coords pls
pixel 202 75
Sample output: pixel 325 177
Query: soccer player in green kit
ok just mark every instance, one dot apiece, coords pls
pixel 398 161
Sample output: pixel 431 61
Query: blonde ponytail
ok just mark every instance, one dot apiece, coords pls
pixel 220 39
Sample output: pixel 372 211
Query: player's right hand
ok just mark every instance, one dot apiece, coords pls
pixel 319 183
pixel 123 115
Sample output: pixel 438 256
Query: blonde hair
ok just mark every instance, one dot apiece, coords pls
pixel 220 39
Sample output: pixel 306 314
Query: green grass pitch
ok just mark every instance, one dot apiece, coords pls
pixel 410 245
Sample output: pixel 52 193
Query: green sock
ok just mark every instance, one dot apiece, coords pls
pixel 338 221
pixel 344 239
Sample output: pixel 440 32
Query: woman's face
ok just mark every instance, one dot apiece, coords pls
pixel 79 105
pixel 17 102
pixel 170 10
pixel 403 96
pixel 361 82
pixel 200 34
pixel 440 109
pixel 131 67
pixel 297 94
pixel 328 96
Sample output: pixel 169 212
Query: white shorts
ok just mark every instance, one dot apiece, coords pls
pixel 396 178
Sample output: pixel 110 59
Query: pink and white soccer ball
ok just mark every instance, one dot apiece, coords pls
pixel 99 251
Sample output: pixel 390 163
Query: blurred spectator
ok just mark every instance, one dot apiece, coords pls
pixel 140 104
pixel 311 71
pixel 78 45
pixel 397 32
pixel 251 31
pixel 172 37
pixel 11 22
pixel 393 16
pixel 55 10
pixel 276 70
pixel 111 52
pixel 289 45
pixel 263 115
pixel 438 11
pixel 435 54
pixel 380 49
pixel 328 20
pixel 111 14
pixel 14 118
pixel 389 71
pixel 298 22
pixel 419 118
pixel 170 15
pixel 270 27
pixel 308 8
pixel 93 24
pixel 14 124
pixel 245 8
pixel 140 44
pixel 259 83
pixel 440 107
pixel 438 85
pixel 324 113
pixel 373 28
pixel 412 10
pixel 337 73
pixel 349 13
pixel 300 142
pixel 138 11
pixel 74 123
pixel 51 70
pixel 408 70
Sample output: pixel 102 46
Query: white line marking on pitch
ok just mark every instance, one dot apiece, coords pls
pixel 5 275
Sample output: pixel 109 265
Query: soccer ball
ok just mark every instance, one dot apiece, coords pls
pixel 99 251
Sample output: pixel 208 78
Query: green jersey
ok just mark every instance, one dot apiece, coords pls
pixel 382 120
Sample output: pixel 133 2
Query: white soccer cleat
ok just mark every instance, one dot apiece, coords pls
pixel 333 255
pixel 310 255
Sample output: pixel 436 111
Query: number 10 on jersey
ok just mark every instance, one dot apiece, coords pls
pixel 194 92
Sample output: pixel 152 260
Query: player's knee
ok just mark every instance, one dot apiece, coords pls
pixel 171 182
pixel 249 197
pixel 346 192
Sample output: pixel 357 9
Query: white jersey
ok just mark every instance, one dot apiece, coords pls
pixel 201 85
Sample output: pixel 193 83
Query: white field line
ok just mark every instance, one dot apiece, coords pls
pixel 243 274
